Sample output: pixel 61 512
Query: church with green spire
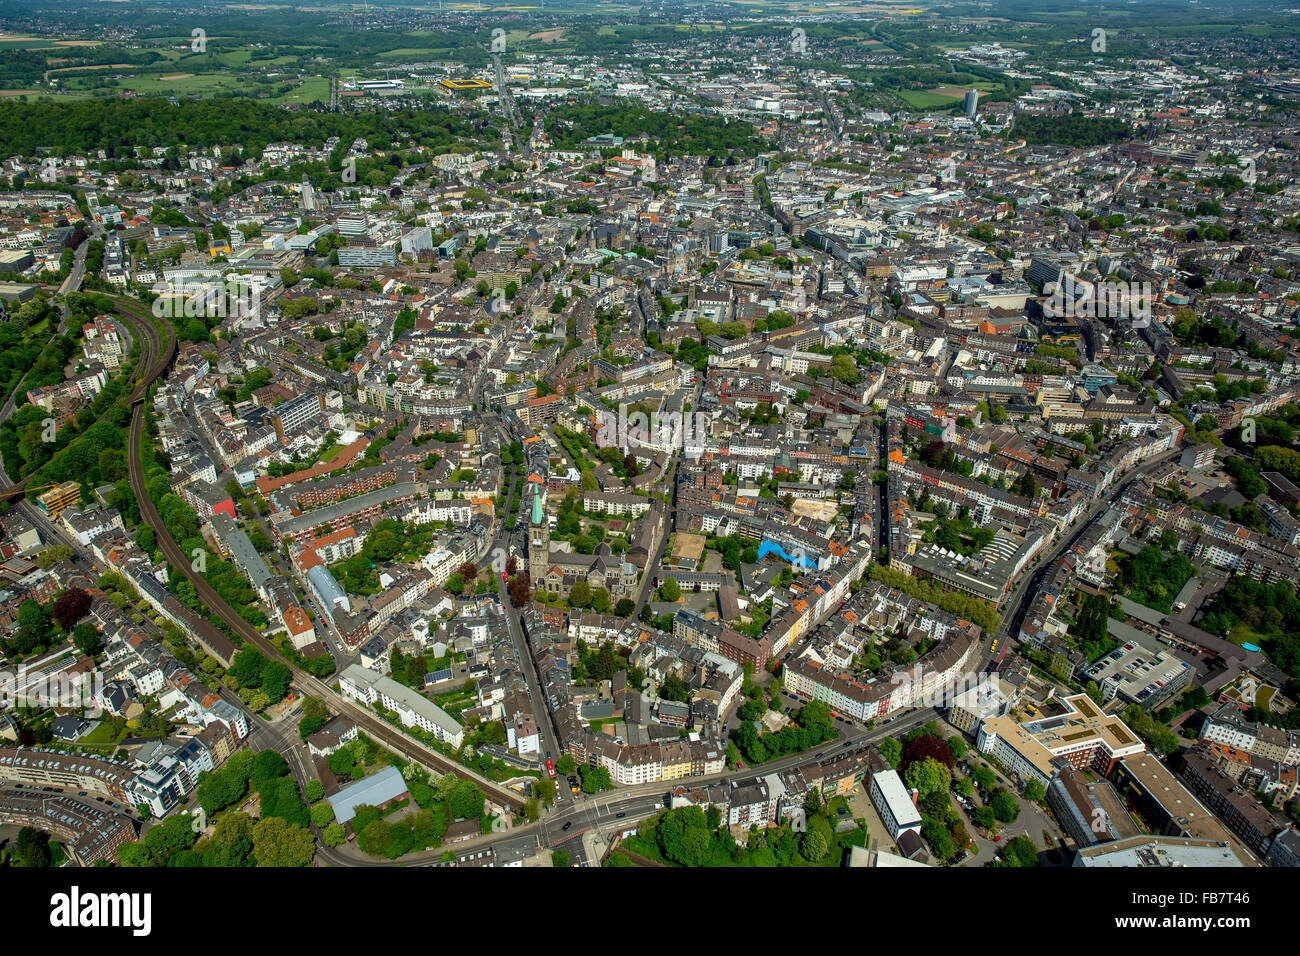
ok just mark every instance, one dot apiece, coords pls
pixel 539 539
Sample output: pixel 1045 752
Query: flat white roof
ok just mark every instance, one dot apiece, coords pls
pixel 897 798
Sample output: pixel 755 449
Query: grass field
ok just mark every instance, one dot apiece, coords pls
pixel 926 99
pixel 25 43
pixel 312 88
pixel 183 83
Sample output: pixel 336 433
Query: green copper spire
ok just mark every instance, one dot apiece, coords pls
pixel 538 517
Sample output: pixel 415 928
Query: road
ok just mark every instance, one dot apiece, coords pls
pixel 146 366
pixel 545 727
pixel 508 108
pixel 536 693
pixel 601 811
pixel 374 725
pixel 70 284
pixel 1014 611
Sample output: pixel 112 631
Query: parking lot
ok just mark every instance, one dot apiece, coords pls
pixel 877 836
pixel 1031 822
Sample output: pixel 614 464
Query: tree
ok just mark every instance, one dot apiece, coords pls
pixel 1020 851
pixel 624 607
pixel 560 858
pixel 322 814
pixel 674 688
pixel 815 718
pixel 267 765
pixel 1004 806
pixel 169 837
pixel 276 842
pixel 670 590
pixel 928 776
pixel 580 594
pixel 983 817
pixel 566 765
pixel 70 607
pixel 813 846
pixel 595 779
pixel 891 750
pixel 940 840
pixel 1034 791
pixel 924 746
pixel 86 638
pixel 32 616
pixel 246 668
pixel 984 777
pixel 33 848
pixel 276 676
pixel 465 800
pixel 521 589
pixel 134 854
pixel 334 835
pixel 313 791
pixel 845 369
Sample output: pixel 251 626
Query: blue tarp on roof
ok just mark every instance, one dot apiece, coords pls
pixel 771 547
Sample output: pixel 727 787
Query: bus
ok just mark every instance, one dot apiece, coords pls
pixel 550 767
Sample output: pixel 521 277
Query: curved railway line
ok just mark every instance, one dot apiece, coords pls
pixel 148 368
pixel 156 358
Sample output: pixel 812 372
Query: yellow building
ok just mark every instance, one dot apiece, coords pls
pixel 55 501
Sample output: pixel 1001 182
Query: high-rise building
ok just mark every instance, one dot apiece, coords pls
pixel 971 103
pixel 309 203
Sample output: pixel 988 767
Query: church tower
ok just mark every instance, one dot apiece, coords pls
pixel 539 540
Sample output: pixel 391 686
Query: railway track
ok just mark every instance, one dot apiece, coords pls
pixel 149 367
pixel 161 355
